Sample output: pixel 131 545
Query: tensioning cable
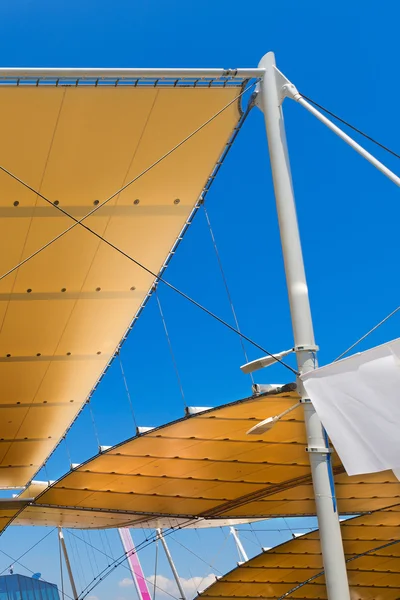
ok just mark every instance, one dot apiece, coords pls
pixel 350 126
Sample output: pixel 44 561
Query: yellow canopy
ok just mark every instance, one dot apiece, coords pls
pixel 295 570
pixel 9 508
pixel 203 466
pixel 64 312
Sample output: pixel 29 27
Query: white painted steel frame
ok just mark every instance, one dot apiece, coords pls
pixel 112 73
pixel 270 101
pixel 68 564
pixel 328 518
pixel 346 138
pixel 240 548
pixel 168 554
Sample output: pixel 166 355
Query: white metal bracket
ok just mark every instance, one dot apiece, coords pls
pixel 286 89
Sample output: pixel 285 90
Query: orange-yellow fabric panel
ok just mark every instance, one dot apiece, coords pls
pixel 33 489
pixel 80 519
pixel 8 511
pixel 75 519
pixel 372 549
pixel 192 467
pixel 205 465
pixel 63 313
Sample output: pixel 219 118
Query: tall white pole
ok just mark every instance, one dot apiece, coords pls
pixel 240 548
pixel 171 563
pixel 329 527
pixel 68 564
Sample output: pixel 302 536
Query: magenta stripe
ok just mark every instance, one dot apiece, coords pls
pixel 134 563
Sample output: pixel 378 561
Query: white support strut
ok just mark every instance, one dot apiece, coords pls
pixel 171 563
pixel 240 548
pixel 68 564
pixel 346 138
pixel 289 90
pixel 270 98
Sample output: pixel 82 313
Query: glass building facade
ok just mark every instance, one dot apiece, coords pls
pixel 19 587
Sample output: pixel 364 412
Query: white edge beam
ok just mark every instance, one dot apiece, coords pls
pixel 73 72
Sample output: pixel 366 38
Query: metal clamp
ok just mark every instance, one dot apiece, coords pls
pixel 306 348
pixel 316 450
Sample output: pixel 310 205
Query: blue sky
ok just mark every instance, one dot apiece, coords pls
pixel 342 54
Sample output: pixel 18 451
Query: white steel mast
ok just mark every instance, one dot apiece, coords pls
pixel 171 563
pixel 270 99
pixel 241 551
pixel 68 564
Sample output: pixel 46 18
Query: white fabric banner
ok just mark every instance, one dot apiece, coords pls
pixel 358 402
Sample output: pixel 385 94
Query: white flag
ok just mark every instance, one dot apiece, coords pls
pixel 358 402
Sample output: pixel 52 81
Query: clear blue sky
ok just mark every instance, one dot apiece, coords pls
pixel 342 54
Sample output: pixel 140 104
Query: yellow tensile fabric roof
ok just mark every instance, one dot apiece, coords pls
pixel 201 465
pixel 204 466
pixel 9 509
pixel 64 312
pixel 295 570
